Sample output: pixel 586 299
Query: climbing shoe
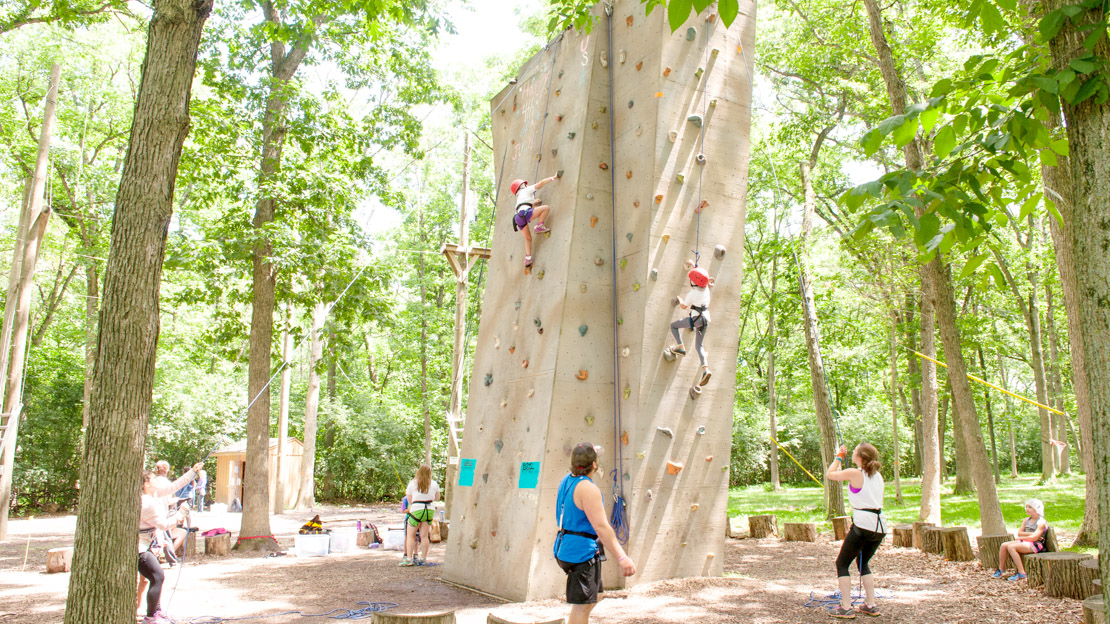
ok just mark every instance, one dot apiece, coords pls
pixel 997 574
pixel 541 228
pixel 417 561
pixel 527 261
pixel 1017 577
pixel 406 562
pixel 678 350
pixel 869 610
pixel 842 613
pixel 705 375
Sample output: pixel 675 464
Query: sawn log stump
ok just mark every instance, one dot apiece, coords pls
pixel 1094 610
pixel 218 545
pixel 931 540
pixel 397 618
pixel 841 526
pixel 902 536
pixel 1088 568
pixel 957 546
pixel 988 550
pixel 918 529
pixel 1062 576
pixel 762 526
pixel 799 531
pixel 59 560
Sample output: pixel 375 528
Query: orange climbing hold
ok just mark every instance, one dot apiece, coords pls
pixel 658 199
pixel 624 438
pixel 674 467
pixel 604 166
pixel 702 206
pixel 525 364
pixel 667 72
pixel 628 20
pixel 593 221
pixel 628 174
pixel 658 94
pixel 639 66
pixel 708 458
pixel 582 375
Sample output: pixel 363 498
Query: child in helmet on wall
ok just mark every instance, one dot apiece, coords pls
pixel 697 302
pixel 527 210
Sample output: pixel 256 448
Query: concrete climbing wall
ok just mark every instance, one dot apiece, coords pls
pixel 545 370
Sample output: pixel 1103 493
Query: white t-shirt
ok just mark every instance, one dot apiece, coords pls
pixel 416 496
pixel 698 297
pixel 870 496
pixel 526 195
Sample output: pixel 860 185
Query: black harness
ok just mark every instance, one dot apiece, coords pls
pixel 880 526
pixel 427 506
pixel 694 318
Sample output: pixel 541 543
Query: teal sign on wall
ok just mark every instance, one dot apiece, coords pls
pixel 466 472
pixel 529 475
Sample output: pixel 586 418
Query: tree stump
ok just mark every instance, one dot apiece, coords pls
pixel 1050 543
pixel 903 536
pixel 931 541
pixel 59 560
pixel 841 526
pixel 444 529
pixel 493 619
pixel 728 526
pixel 188 548
pixel 382 617
pixel 799 531
pixel 957 546
pixel 762 526
pixel 1094 610
pixel 434 536
pixel 1062 576
pixel 218 545
pixel 1034 569
pixel 1088 568
pixel 988 550
pixel 918 528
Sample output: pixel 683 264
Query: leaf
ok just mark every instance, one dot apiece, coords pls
pixel 905 132
pixel 1060 146
pixel 928 227
pixel 1051 24
pixel 996 273
pixel 942 87
pixel 701 5
pixel 728 9
pixel 991 18
pixel 973 264
pixel 1009 5
pixel 1048 158
pixel 944 142
pixel 677 12
pixel 1083 65
pixel 1046 83
pixel 1089 88
pixel 929 119
pixel 872 141
pixel 1051 206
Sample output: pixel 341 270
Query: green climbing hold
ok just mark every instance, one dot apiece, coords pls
pixel 589 421
pixel 583 328
pixel 624 262
pixel 620 320
pixel 570 135
pixel 691 33
pixel 559 174
pixel 699 72
pixel 629 236
pixel 560 73
pixel 537 321
pixel 489 379
pixel 636 287
pixel 695 119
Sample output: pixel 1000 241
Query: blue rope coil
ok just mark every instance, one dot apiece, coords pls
pixel 364 612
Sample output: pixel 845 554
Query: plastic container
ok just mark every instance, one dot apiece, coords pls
pixel 343 540
pixel 312 545
pixel 394 538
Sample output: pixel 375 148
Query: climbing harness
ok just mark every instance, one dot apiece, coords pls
pixel 618 518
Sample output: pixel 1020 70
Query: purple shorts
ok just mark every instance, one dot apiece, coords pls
pixel 521 219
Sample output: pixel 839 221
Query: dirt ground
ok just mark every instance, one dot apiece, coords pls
pixel 766 581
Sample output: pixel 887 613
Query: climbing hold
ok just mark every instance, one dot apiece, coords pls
pixel 714 52
pixel 540 330
pixel 582 287
pixel 702 206
pixel 620 320
pixel 489 379
pixel 694 507
pixel 558 92
pixel 604 109
pixel 708 458
pixel 593 221
pixel 695 392
pixel 492 533
pixel 639 66
pixel 589 195
pixel 635 203
pixel 539 156
pixel 630 103
pixel 624 263
pixel 558 117
pixel 681 178
pixel 604 58
pixel 674 468
pixel 513 348
pixel 570 135
pixel 691 33
pixel 658 199
pixel 700 159
pixel 624 438
pixel 589 421
pixel 695 119
pixel 524 364
pixel 712 17
pixel 713 103
pixel 628 20
pixel 673 136
pixel 648 496
pixel 699 72
pixel 640 455
pixel 474 545
pixel 623 56
pixel 583 328
pixel 666 237
pixel 719 252
pixel 560 73
pixel 537 322
pixel 555 152
pixel 582 375
pixel 665 431
pixel 604 166
pixel 655 274
pixel 540 275
pixel 639 129
pixel 627 392
pixel 636 287
pixel 625 352
pixel 531 392
pixel 599 261
pixel 559 173
pixel 504 402
pixel 496 342
pixel 667 72
pixel 701 430
pixel 628 174
pixel 658 94
pixel 594 125
pixel 629 236
pixel 498 444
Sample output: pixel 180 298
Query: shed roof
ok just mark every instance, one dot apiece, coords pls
pixel 293 447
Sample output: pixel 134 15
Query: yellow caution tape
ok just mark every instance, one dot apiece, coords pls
pixel 990 385
pixel 796 462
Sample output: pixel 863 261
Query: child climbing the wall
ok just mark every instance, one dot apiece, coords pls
pixel 527 210
pixel 697 302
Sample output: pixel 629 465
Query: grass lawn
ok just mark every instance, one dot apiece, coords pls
pixel 1063 501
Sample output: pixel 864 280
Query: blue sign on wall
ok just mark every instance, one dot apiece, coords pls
pixel 466 472
pixel 529 475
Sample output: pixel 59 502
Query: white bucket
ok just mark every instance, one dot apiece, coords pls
pixel 343 540
pixel 394 538
pixel 311 545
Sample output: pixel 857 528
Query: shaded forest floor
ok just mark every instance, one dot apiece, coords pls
pixel 767 581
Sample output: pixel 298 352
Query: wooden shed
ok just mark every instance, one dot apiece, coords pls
pixel 231 464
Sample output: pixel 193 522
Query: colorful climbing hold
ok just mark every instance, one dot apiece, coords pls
pixel 640 454
pixel 714 52
pixel 560 73
pixel 582 287
pixel 666 237
pixel 593 221
pixel 489 379
pixel 691 33
pixel 667 72
pixel 695 119
pixel 628 174
pixel 702 206
pixel 674 467
pixel 694 507
pixel 599 261
pixel 639 129
pixel 537 322
pixel 604 109
pixel 713 103
pixel 700 159
pixel 512 349
pixel 680 178
pixel 524 364
pixel 658 199
pixel 639 66
pixel 554 151
pixel 629 236
pixel 635 203
pixel 655 274
pixel 627 393
pixel 624 438
pixel 589 421
pixel 558 92
pixel 582 375
pixel 708 458
pixel 570 135
pixel 498 444
pixel 624 263
pixel 628 20
pixel 701 430
pixel 582 329
pixel 699 72
pixel 630 103
pixel 636 287
pixel 712 17
pixel 559 173
pixel 594 125
pixel 604 166
pixel 719 251
pixel 658 94
pixel 540 275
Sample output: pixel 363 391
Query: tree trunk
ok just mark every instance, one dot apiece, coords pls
pixel 834 493
pixel 964 403
pixel 283 413
pixel 964 483
pixel 424 351
pixel 307 497
pixel 897 463
pixel 1063 459
pixel 1009 417
pixel 990 418
pixel 772 405
pixel 942 430
pixel 102 582
pixel 92 298
pixel 36 216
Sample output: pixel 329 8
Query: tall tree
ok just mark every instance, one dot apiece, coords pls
pixel 102 585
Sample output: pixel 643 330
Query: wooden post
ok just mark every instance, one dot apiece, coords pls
pixel 762 526
pixel 841 526
pixel 218 545
pixel 931 541
pixel 728 525
pixel 988 549
pixel 800 531
pixel 957 546
pixel 918 527
pixel 1094 610
pixel 59 560
pixel 903 536
pixel 1089 569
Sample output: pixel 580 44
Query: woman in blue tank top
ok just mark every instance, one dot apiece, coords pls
pixel 583 528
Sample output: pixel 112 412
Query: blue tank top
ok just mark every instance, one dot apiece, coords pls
pixel 573 548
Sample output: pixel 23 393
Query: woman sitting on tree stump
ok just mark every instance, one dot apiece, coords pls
pixel 1030 539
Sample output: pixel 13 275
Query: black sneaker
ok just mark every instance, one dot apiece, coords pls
pixel 842 613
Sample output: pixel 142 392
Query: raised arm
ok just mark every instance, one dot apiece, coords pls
pixel 539 185
pixel 837 472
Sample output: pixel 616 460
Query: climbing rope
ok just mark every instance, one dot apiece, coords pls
pixel 619 517
pixel 701 148
pixel 832 601
pixel 364 612
pixel 546 106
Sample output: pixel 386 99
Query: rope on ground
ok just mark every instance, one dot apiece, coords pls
pixel 832 601
pixel 364 612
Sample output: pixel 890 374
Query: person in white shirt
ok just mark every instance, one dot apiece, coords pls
pixel 697 302
pixel 527 210
pixel 865 494
pixel 422 493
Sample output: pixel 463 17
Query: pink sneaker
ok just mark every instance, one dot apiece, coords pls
pixel 159 617
pixel 527 261
pixel 540 228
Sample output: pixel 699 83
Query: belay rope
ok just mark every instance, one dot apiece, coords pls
pixel 701 149
pixel 618 518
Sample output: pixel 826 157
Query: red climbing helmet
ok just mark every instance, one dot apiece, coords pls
pixel 699 277
pixel 516 185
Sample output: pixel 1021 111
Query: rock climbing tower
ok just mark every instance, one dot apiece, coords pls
pixel 649 131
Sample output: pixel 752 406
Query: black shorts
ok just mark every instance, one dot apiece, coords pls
pixel 583 581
